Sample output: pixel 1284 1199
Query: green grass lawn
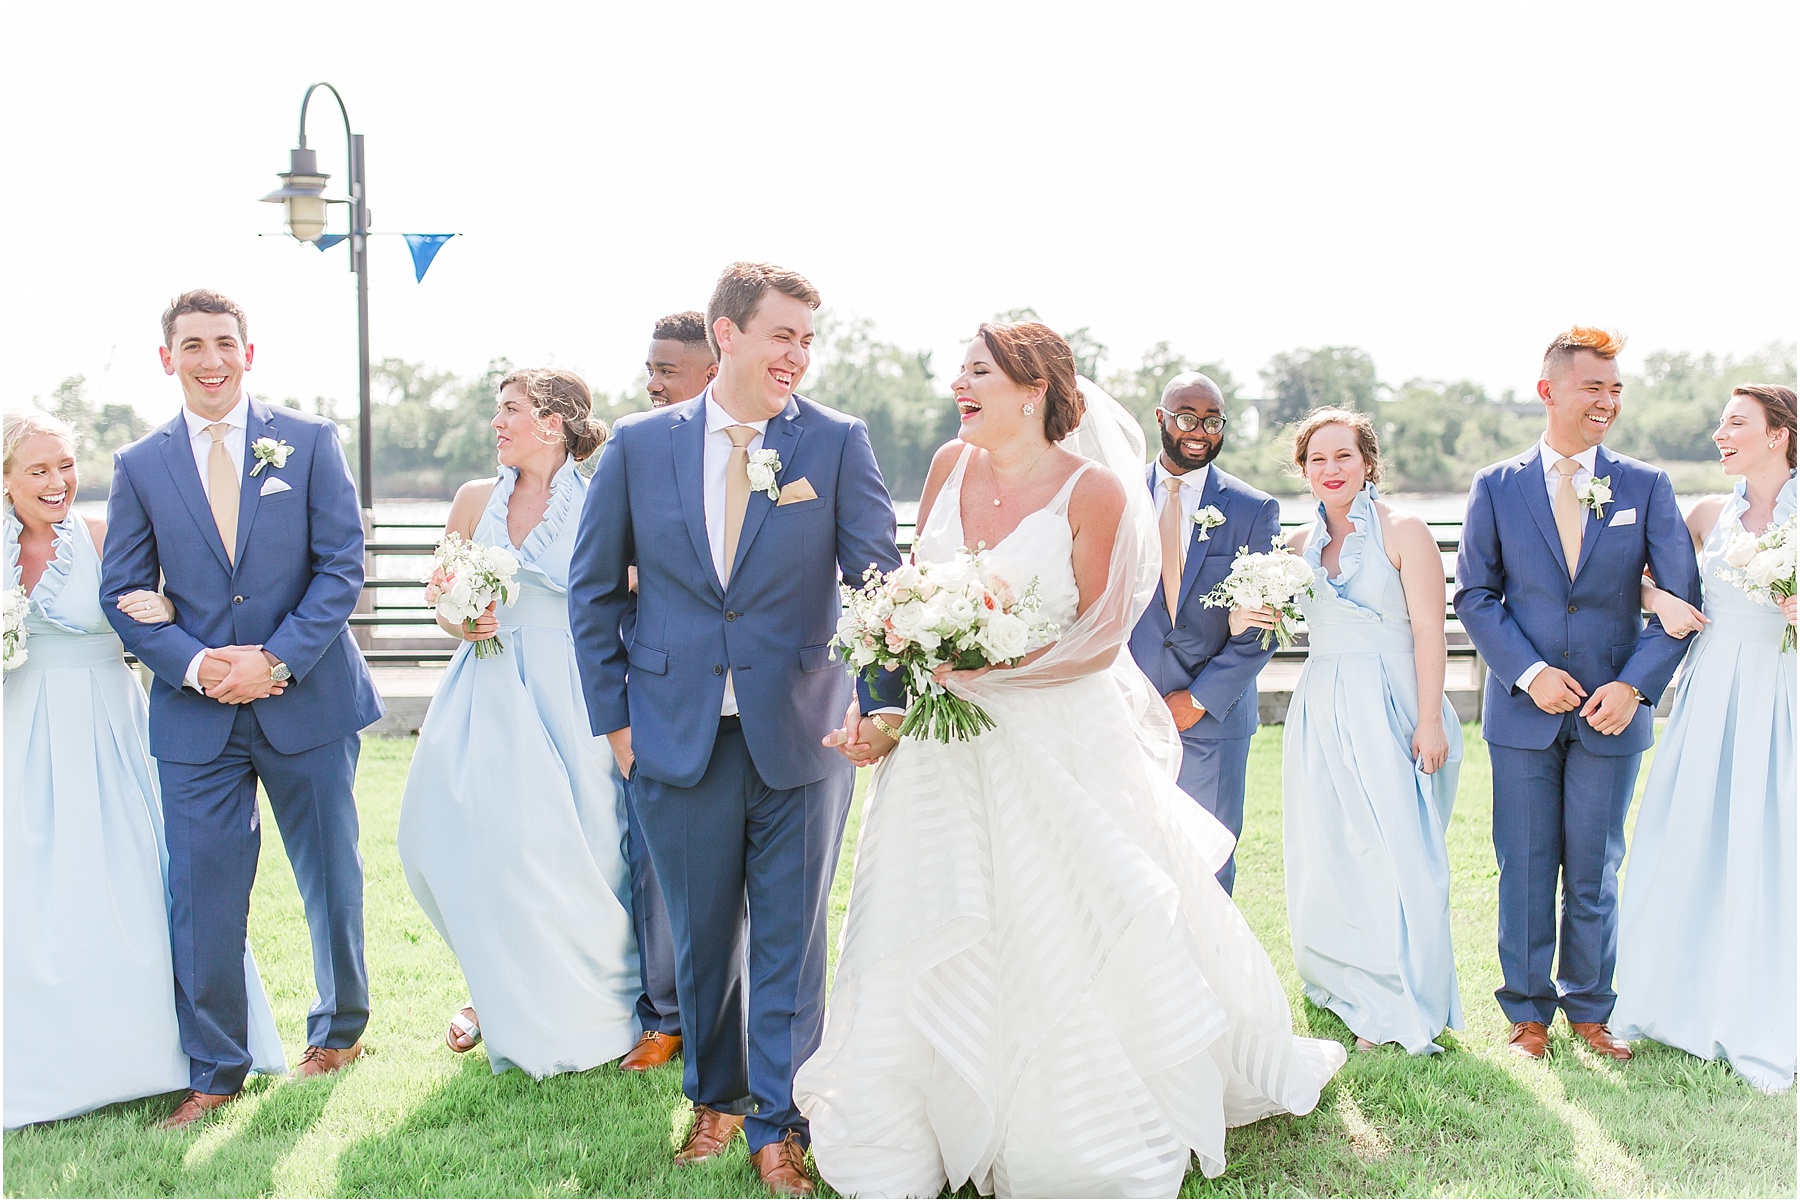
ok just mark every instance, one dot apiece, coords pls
pixel 412 1119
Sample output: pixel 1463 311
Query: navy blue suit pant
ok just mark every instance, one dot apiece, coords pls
pixel 1212 773
pixel 657 1007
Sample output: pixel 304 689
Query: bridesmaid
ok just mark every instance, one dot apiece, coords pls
pixel 90 987
pixel 510 830
pixel 1370 755
pixel 1706 925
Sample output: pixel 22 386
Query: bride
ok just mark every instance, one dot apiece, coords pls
pixel 1042 989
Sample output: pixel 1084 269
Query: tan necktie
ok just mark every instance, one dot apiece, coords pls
pixel 222 488
pixel 1568 513
pixel 1174 547
pixel 737 492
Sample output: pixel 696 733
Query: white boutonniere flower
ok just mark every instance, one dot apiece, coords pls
pixel 1596 494
pixel 267 451
pixel 1207 518
pixel 765 465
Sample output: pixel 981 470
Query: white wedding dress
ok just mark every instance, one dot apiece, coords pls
pixel 1041 987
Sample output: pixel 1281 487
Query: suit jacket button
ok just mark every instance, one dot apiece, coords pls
pixel 718 669
pixel 1168 643
pixel 731 615
pixel 1572 609
pixel 237 600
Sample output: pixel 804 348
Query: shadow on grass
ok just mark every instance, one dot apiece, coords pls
pixel 1394 1125
pixel 603 1132
pixel 119 1152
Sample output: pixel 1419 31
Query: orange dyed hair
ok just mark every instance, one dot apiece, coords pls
pixel 1605 343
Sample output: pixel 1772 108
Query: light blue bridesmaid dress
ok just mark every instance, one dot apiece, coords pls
pixel 90 989
pixel 1368 878
pixel 511 831
pixel 1706 913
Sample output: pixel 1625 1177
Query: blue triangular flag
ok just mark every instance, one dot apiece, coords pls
pixel 424 249
pixel 327 241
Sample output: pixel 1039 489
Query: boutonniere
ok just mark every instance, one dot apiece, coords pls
pixel 1207 518
pixel 1596 494
pixel 267 451
pixel 765 465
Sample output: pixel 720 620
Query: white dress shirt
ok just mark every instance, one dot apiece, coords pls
pixel 1193 487
pixel 1548 459
pixel 201 442
pixel 715 456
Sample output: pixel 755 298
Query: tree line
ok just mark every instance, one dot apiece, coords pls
pixel 431 431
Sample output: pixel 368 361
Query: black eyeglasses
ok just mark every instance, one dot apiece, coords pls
pixel 1187 423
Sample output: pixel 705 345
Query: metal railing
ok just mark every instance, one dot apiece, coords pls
pixel 393 601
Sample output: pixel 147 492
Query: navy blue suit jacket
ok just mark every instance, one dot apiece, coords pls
pixel 1517 602
pixel 773 626
pixel 1195 650
pixel 292 587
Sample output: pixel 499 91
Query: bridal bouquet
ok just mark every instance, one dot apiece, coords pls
pixel 16 603
pixel 1763 567
pixel 916 619
pixel 466 578
pixel 1276 578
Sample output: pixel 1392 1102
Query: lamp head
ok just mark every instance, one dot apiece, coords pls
pixel 303 192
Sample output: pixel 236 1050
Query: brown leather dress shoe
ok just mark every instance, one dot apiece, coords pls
pixel 1528 1040
pixel 711 1134
pixel 193 1107
pixel 653 1050
pixel 782 1167
pixel 319 1061
pixel 1602 1040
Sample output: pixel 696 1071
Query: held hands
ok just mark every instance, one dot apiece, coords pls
pixel 1182 706
pixel 235 675
pixel 1430 745
pixel 141 605
pixel 1247 619
pixel 1611 708
pixel 1790 607
pixel 860 740
pixel 1555 691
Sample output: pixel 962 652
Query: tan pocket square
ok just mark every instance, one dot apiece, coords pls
pixel 796 490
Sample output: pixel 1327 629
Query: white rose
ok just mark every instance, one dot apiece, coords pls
pixel 1740 550
pixel 907 577
pixel 457 600
pixel 1005 637
pixel 911 620
pixel 953 576
pixel 958 610
pixel 1764 569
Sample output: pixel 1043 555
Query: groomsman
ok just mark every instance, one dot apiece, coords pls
pixel 1553 547
pixel 1205 674
pixel 678 368
pixel 244 514
pixel 681 362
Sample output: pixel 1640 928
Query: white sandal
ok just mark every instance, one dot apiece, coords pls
pixel 463 1023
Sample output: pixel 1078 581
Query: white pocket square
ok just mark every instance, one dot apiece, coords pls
pixel 274 484
pixel 1623 517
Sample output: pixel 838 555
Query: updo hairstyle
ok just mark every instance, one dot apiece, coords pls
pixel 1776 400
pixel 553 390
pixel 22 424
pixel 1359 424
pixel 1029 351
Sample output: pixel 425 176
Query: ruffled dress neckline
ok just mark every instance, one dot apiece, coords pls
pixel 565 491
pixel 1740 501
pixel 64 547
pixel 1350 555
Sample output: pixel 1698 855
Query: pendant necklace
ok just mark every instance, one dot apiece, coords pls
pixel 1022 479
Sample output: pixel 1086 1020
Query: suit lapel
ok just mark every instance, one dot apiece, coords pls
pixel 688 442
pixel 259 422
pixel 178 453
pixel 1196 550
pixel 782 435
pixel 1529 480
pixel 1592 523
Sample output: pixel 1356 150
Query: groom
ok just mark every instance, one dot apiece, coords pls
pixel 1207 677
pixel 742 510
pixel 244 513
pixel 1553 547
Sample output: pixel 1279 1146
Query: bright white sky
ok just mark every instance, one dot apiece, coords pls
pixel 1443 184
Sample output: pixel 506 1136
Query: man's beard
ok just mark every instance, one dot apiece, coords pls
pixel 1172 448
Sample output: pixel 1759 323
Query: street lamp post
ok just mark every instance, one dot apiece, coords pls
pixel 302 193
